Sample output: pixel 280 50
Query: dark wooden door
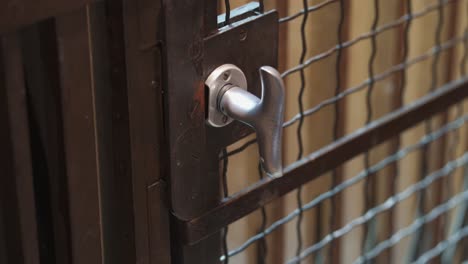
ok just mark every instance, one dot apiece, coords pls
pixel 81 87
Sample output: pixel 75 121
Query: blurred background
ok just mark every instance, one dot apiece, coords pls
pixel 379 36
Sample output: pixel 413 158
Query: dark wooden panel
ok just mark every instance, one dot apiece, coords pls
pixel 18 13
pixel 3 242
pixel 79 124
pixel 9 204
pixel 195 47
pixel 185 101
pixel 142 31
pixel 194 177
pixel 112 125
pixel 159 223
pixel 17 183
pixel 41 73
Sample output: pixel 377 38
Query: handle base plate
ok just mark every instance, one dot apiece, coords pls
pixel 227 74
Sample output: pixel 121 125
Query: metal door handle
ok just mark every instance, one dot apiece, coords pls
pixel 229 99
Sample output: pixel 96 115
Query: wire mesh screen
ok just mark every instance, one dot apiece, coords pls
pixel 346 64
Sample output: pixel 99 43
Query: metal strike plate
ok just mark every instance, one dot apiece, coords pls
pixel 248 43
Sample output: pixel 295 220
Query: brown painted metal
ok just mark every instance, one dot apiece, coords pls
pixel 112 124
pixel 41 72
pixel 186 24
pixel 17 199
pixel 184 28
pixel 142 30
pixel 15 14
pixel 194 47
pixel 3 234
pixel 322 161
pixel 78 91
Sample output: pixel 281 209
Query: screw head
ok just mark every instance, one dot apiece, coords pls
pixel 226 75
pixel 243 35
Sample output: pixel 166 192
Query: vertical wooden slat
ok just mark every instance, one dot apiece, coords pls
pixel 246 164
pixel 321 33
pixel 9 200
pixel 81 151
pixel 41 72
pixel 452 70
pixel 422 39
pixel 276 241
pixel 3 238
pixel 457 141
pixel 438 193
pixel 194 176
pixel 383 97
pixel 142 25
pixel 19 173
pixel 112 125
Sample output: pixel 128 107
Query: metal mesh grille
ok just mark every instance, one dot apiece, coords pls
pixel 450 211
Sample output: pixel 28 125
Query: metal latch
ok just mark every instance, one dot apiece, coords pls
pixel 229 100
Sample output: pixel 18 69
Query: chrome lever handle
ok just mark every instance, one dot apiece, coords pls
pixel 232 100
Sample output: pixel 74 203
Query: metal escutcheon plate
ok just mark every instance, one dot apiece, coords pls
pixel 227 74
